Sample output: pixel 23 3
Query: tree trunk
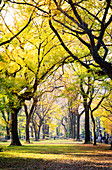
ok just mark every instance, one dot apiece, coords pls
pixel 27 129
pixel 35 130
pixel 87 132
pixel 39 132
pixel 94 143
pixel 78 127
pixel 31 127
pixel 7 127
pixel 47 130
pixel 74 121
pixel 43 130
pixel 65 129
pixel 57 132
pixel 28 118
pixel 8 133
pixel 7 124
pixel 14 131
pixel 71 126
pixel 27 132
pixel 94 133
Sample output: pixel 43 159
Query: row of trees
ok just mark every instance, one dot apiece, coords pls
pixel 71 89
pixel 47 117
pixel 55 33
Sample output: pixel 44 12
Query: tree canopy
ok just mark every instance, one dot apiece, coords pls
pixel 39 37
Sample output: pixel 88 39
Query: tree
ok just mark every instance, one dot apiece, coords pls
pixel 84 92
pixel 28 117
pixel 7 34
pixel 43 88
pixel 73 113
pixel 63 122
pixel 105 114
pixel 79 85
pixel 89 24
pixel 75 24
pixel 92 117
pixel 85 88
pixel 25 65
pixel 90 93
pixel 86 24
pixel 72 94
pixel 45 108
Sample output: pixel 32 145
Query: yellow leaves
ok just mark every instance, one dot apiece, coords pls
pixel 105 114
pixel 12 67
pixel 107 123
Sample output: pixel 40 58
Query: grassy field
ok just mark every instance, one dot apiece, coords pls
pixel 55 155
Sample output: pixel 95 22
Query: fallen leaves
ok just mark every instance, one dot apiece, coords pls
pixel 57 156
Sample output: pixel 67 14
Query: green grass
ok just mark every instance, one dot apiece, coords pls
pixel 56 154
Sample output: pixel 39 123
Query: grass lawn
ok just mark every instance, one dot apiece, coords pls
pixel 56 155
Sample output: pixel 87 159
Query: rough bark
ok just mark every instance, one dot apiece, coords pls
pixel 43 130
pixel 86 109
pixel 38 136
pixel 71 125
pixel 31 127
pixel 87 132
pixel 7 127
pixel 78 127
pixel 27 125
pixel 35 131
pixel 7 124
pixel 94 132
pixel 65 129
pixel 27 132
pixel 28 119
pixel 8 133
pixel 14 130
pixel 74 129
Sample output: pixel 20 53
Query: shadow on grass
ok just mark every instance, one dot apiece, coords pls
pixel 69 157
pixel 41 164
pixel 57 149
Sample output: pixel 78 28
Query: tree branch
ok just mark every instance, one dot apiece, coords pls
pixel 8 41
pixel 65 47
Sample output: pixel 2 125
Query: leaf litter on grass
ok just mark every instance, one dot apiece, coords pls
pixel 55 157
